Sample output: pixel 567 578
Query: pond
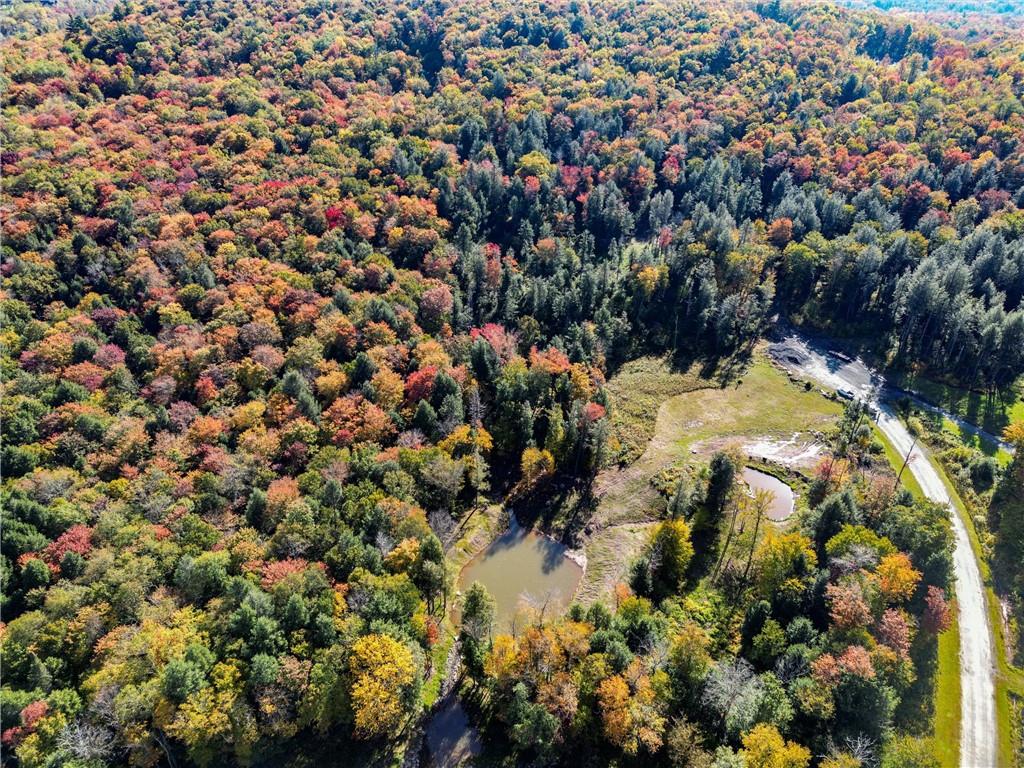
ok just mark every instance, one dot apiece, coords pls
pixel 523 570
pixel 783 500
pixel 451 740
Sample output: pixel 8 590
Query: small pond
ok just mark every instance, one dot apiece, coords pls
pixel 783 500
pixel 522 569
pixel 451 740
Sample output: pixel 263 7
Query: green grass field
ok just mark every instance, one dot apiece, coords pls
pixel 663 415
pixel 637 391
pixel 991 413
pixel 947 698
pixel 762 403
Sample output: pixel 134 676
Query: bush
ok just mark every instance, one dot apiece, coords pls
pixel 908 752
pixel 983 473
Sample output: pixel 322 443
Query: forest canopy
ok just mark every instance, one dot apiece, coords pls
pixel 288 287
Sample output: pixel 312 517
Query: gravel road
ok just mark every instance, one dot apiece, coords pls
pixel 978 725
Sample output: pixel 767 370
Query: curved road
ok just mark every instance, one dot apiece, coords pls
pixel 978 725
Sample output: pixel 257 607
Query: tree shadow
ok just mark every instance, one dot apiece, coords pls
pixel 562 507
pixel 726 368
pixel 723 367
pixel 705 535
pixel 916 709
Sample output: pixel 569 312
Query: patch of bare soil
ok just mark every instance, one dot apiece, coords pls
pixel 803 450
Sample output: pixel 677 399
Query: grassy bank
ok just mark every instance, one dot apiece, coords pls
pixel 476 532
pixel 946 694
pixel 1009 679
pixel 946 723
pixel 896 461
pixel 992 413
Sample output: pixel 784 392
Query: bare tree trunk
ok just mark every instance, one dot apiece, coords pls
pixel 760 502
pixel 728 540
pixel 158 736
pixel 906 461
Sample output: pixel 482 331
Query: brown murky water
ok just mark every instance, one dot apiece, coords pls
pixel 524 572
pixel 783 500
pixel 451 740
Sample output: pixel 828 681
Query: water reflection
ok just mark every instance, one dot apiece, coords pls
pixel 523 570
pixel 782 503
pixel 450 738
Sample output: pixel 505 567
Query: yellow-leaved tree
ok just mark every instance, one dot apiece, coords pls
pixel 764 747
pixel 384 685
pixel 785 563
pixel 897 577
pixel 631 710
pixel 535 465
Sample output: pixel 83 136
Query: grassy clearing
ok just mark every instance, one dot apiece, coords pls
pixel 986 446
pixel 608 559
pixel 763 403
pixel 991 413
pixel 636 393
pixel 674 412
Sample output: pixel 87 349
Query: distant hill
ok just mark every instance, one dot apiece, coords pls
pixel 942 8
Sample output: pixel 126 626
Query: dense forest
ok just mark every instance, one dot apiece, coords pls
pixel 289 287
